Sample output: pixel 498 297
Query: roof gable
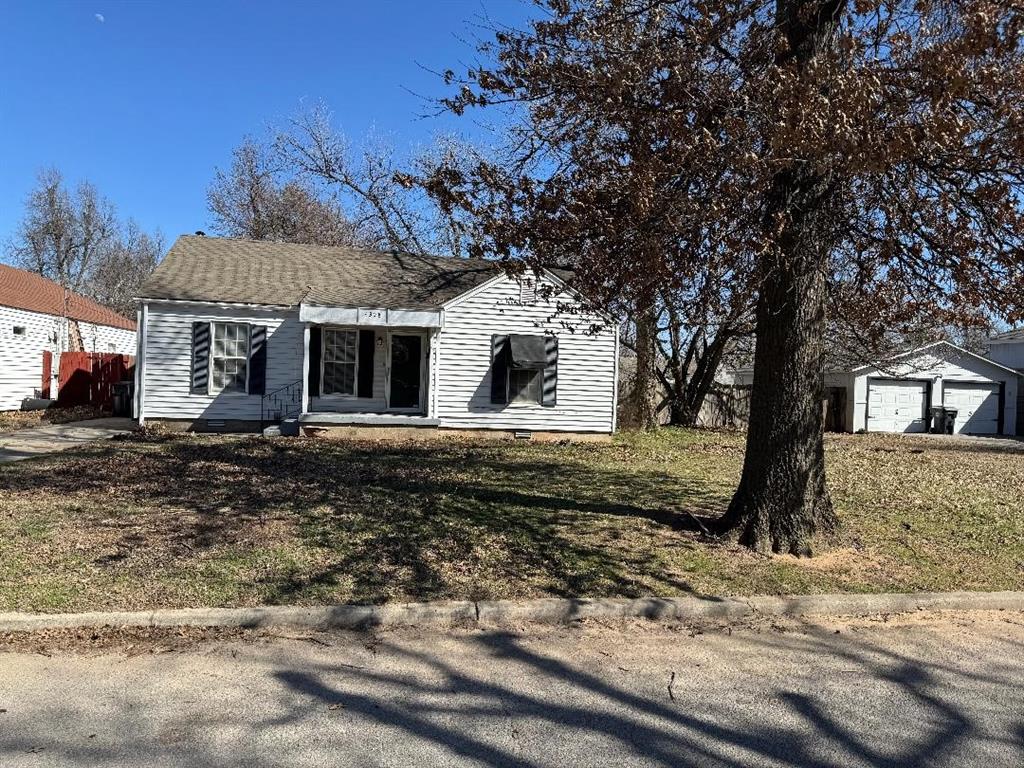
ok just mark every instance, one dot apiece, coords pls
pixel 229 270
pixel 934 346
pixel 31 292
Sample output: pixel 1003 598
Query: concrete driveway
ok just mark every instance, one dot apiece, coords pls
pixel 51 438
pixel 896 692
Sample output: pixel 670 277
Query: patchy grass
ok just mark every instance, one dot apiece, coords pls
pixel 192 521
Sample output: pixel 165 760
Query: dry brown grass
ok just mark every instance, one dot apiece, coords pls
pixel 190 521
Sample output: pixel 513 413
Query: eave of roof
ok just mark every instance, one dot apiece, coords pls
pixel 925 348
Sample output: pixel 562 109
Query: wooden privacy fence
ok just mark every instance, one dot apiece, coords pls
pixel 88 378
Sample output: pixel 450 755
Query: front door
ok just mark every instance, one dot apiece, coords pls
pixel 406 370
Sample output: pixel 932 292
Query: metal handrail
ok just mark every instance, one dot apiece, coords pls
pixel 274 397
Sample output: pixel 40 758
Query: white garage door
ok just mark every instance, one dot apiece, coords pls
pixel 977 407
pixel 896 405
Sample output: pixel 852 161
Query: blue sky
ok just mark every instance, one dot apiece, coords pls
pixel 145 99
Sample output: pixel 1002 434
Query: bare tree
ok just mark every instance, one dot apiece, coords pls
pixel 257 199
pixel 389 209
pixel 812 149
pixel 117 274
pixel 76 239
pixel 63 233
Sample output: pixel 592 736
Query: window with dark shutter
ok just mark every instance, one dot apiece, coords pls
pixel 524 369
pixel 315 348
pixel 229 369
pixel 499 369
pixel 550 387
pixel 200 358
pixel 367 341
pixel 257 359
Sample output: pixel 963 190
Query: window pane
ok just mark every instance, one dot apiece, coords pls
pixel 524 386
pixel 340 351
pixel 229 356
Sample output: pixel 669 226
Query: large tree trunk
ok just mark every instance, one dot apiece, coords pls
pixel 643 404
pixel 782 500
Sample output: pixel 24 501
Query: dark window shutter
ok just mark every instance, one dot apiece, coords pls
pixel 315 349
pixel 200 358
pixel 548 396
pixel 367 339
pixel 499 369
pixel 257 359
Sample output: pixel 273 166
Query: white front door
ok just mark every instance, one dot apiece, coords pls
pixel 977 407
pixel 896 405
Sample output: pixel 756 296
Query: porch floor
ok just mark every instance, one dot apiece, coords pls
pixel 324 418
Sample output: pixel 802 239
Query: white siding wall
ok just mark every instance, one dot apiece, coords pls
pixel 586 364
pixel 168 361
pixel 1009 354
pixel 107 339
pixel 941 367
pixel 21 357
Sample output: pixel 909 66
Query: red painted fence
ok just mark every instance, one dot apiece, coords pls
pixel 88 378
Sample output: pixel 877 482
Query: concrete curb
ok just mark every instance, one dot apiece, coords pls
pixel 497 613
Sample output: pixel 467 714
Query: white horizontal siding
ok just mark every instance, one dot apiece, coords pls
pixel 1010 354
pixel 107 339
pixel 21 357
pixel 586 364
pixel 168 361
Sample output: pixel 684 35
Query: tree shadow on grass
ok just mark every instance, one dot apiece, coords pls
pixel 415 521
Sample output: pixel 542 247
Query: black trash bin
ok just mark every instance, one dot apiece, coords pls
pixel 937 415
pixel 122 397
pixel 950 424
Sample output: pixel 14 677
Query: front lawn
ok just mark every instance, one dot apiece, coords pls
pixel 190 521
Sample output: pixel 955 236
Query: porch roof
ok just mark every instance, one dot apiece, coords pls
pixel 372 316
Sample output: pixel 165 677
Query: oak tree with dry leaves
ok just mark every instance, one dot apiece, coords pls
pixel 859 157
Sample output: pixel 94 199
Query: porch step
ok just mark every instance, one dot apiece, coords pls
pixel 287 428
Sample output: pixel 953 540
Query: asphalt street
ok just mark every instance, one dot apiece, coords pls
pixel 929 690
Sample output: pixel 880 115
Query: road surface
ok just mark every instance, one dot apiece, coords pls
pixel 926 690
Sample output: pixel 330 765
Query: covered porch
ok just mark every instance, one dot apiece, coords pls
pixel 361 367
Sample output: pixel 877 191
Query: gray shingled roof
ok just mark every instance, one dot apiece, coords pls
pixel 201 268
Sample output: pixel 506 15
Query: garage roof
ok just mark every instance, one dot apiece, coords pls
pixel 935 344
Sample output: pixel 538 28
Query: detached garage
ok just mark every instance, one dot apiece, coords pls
pixel 896 396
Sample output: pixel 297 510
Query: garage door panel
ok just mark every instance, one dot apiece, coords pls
pixel 896 405
pixel 977 407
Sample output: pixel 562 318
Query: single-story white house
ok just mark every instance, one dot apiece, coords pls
pixel 896 396
pixel 237 334
pixel 36 316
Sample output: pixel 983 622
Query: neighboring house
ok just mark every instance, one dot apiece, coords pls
pixel 1008 349
pixel 236 334
pixel 36 316
pixel 895 396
